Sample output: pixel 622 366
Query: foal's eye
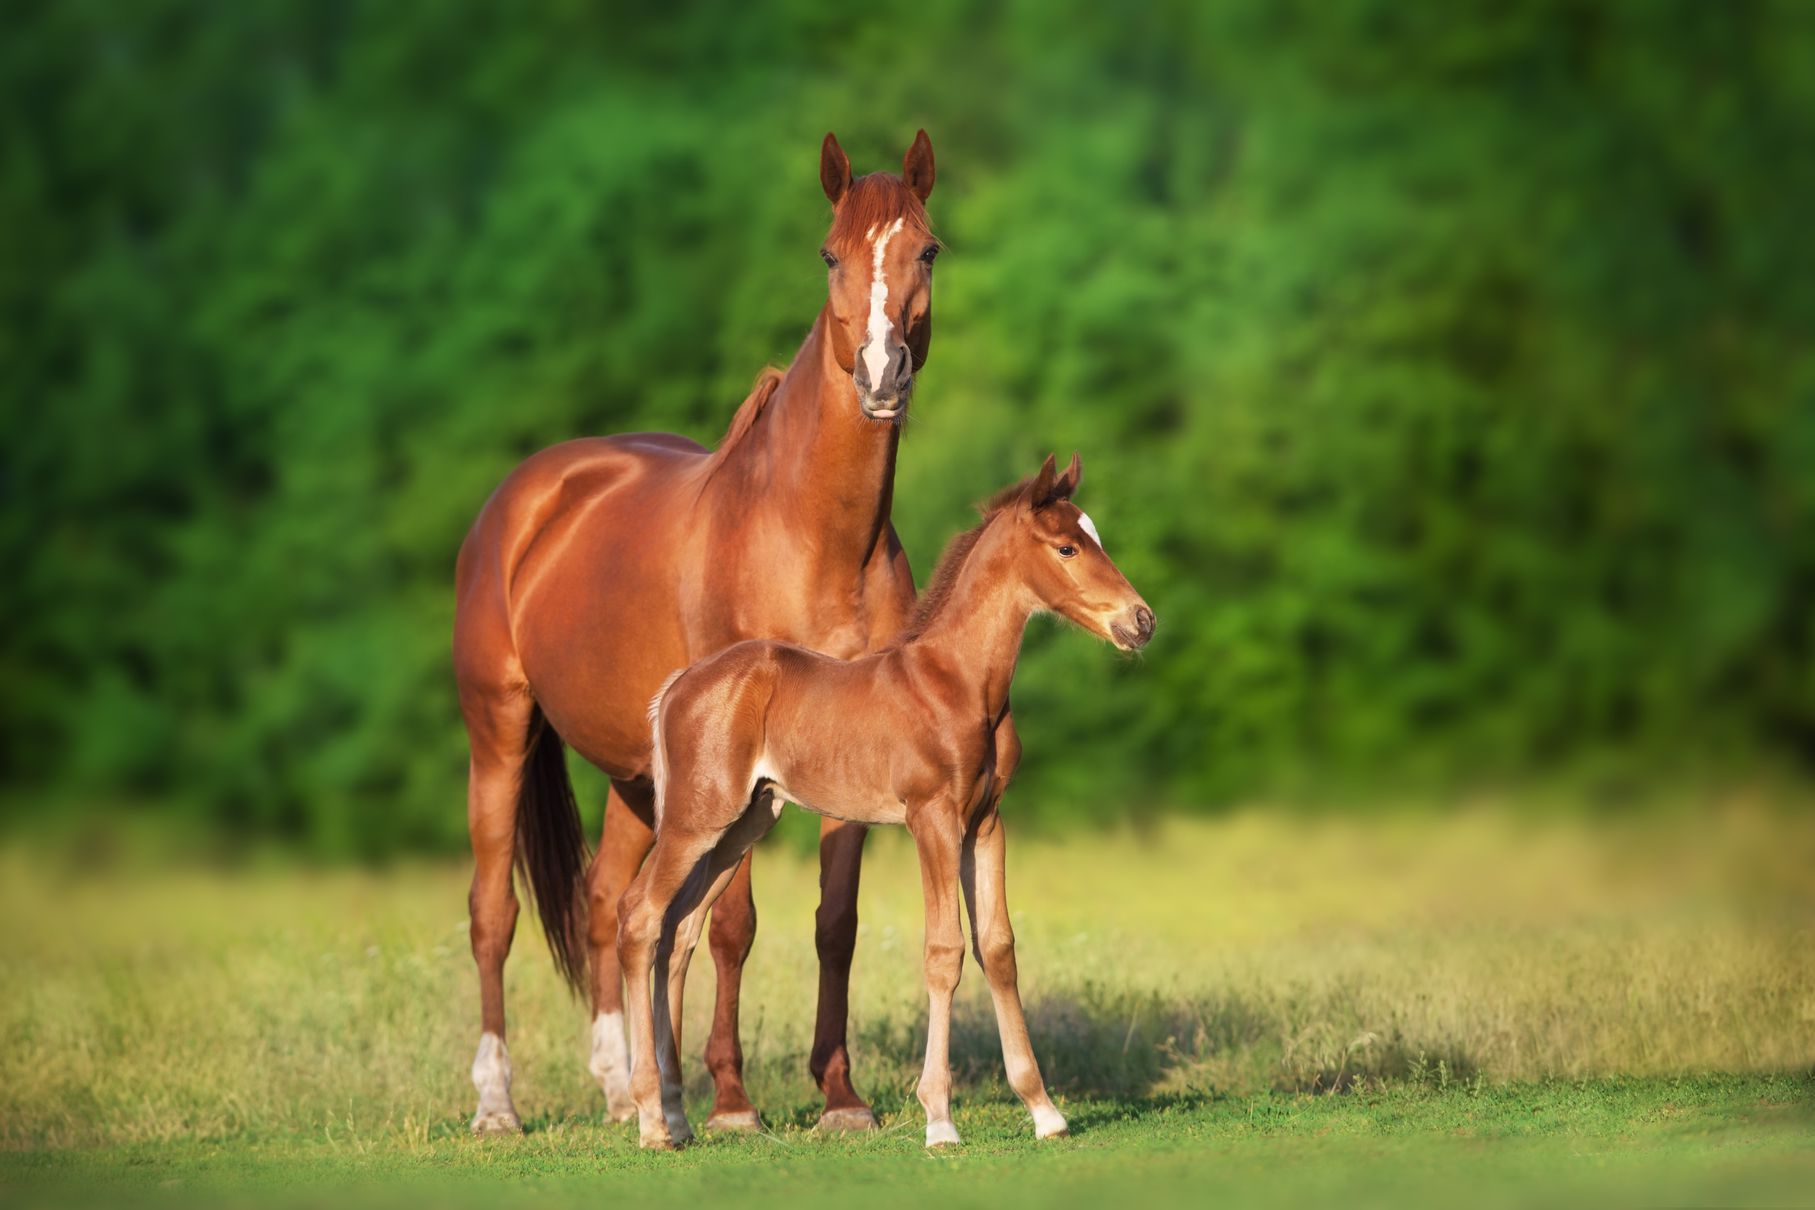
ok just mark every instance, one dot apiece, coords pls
pixel 931 254
pixel 825 255
pixel 1068 550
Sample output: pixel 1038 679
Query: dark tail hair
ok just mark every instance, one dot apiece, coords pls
pixel 551 849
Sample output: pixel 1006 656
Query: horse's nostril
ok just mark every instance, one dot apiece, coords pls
pixel 1143 621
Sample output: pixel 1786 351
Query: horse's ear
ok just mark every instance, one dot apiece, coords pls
pixel 917 166
pixel 834 168
pixel 1066 485
pixel 1039 492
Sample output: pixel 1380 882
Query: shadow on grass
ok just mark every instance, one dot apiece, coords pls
pixel 1102 1042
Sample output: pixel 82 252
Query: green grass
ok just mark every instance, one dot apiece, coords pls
pixel 1262 1007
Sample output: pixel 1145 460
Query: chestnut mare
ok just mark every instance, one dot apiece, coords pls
pixel 913 734
pixel 602 565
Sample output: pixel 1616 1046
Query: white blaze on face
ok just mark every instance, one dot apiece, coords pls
pixel 876 350
pixel 1089 527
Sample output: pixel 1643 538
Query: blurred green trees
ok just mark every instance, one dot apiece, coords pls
pixel 1444 374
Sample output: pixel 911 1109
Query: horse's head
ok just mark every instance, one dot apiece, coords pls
pixel 879 261
pixel 1062 560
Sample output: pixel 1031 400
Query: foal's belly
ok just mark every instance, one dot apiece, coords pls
pixel 874 811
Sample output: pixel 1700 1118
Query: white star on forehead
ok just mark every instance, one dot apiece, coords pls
pixel 1089 527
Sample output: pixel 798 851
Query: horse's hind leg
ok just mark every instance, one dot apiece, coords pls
pixel 625 842
pixel 497 725
pixel 733 931
pixel 670 883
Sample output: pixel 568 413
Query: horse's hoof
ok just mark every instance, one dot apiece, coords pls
pixel 657 1142
pixel 620 1113
pixel 839 1121
pixel 501 1121
pixel 1050 1124
pixel 942 1134
pixel 742 1121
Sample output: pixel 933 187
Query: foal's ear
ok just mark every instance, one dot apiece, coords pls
pixel 1066 485
pixel 917 166
pixel 834 168
pixel 1039 492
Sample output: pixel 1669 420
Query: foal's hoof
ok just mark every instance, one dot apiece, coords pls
pixel 839 1121
pixel 500 1121
pixel 1050 1124
pixel 942 1134
pixel 657 1142
pixel 620 1113
pixel 742 1121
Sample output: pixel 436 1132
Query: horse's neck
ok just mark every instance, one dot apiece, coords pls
pixel 976 635
pixel 816 458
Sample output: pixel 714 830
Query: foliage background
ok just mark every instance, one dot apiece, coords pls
pixel 1444 373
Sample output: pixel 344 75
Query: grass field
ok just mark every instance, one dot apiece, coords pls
pixel 1263 1007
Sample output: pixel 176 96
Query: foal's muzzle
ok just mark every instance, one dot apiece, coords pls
pixel 887 398
pixel 1133 629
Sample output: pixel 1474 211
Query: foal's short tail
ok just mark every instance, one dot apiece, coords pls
pixel 551 849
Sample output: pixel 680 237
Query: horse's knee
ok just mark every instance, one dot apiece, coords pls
pixel 492 919
pixel 996 955
pixel 602 915
pixel 638 929
pixel 944 965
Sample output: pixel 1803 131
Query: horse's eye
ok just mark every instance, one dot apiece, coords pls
pixel 931 254
pixel 825 254
pixel 1067 551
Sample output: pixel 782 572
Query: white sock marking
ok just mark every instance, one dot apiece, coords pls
pixel 1089 527
pixel 940 1134
pixel 876 352
pixel 1048 1122
pixel 610 1061
pixel 491 1076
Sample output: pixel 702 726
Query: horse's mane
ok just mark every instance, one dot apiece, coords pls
pixel 938 592
pixel 748 411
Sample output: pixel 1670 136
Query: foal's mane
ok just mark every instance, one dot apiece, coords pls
pixel 938 592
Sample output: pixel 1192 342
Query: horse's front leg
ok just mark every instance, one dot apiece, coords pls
pixel 835 936
pixel 985 886
pixel 938 837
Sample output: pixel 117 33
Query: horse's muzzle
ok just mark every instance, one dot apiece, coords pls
pixel 889 400
pixel 1133 629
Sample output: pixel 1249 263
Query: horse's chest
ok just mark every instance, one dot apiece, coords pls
pixel 790 601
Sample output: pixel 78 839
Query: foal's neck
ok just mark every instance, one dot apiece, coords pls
pixel 976 635
pixel 814 455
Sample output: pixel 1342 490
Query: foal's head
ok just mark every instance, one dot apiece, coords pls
pixel 879 258
pixel 1061 559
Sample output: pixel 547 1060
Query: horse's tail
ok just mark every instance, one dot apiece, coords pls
pixel 551 849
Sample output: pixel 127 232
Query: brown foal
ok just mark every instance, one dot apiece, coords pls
pixel 913 734
pixel 602 565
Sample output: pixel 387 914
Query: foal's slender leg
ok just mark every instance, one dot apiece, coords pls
pixel 835 935
pixel 733 931
pixel 497 726
pixel 625 841
pixel 675 861
pixel 937 838
pixel 673 956
pixel 994 942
